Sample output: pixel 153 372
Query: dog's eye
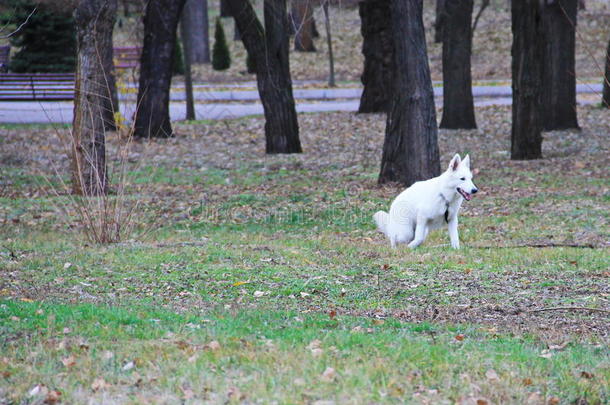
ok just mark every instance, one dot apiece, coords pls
pixel 463 178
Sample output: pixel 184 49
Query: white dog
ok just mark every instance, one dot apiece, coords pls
pixel 427 205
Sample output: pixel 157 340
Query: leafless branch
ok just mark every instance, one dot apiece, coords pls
pixel 20 26
pixel 484 5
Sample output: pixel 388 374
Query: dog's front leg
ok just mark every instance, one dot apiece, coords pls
pixel 453 232
pixel 420 233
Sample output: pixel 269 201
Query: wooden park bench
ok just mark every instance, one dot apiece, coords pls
pixel 5 52
pixel 36 86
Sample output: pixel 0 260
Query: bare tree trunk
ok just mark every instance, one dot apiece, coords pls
pixel 302 16
pixel 559 75
pixel 269 49
pixel 439 21
pixel 606 94
pixel 378 51
pixel 458 105
pixel 160 23
pixel 329 41
pixel 111 104
pixel 527 54
pixel 196 32
pixel 410 149
pixel 188 82
pixel 225 10
pixel 94 21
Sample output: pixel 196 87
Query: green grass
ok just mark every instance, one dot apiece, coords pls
pixel 270 355
pixel 255 252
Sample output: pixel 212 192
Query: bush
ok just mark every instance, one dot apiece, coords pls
pixel 47 42
pixel 221 57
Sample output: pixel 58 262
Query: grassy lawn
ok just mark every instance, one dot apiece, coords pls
pixel 263 279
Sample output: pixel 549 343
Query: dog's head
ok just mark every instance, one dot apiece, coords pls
pixel 461 177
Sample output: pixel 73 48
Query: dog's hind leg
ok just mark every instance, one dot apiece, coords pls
pixel 421 231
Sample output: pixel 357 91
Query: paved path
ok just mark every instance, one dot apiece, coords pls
pixel 216 104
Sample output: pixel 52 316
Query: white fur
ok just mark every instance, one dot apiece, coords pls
pixel 421 207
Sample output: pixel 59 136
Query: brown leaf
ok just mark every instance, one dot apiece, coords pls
pixel 586 374
pixel 332 314
pixel 459 337
pixel 53 397
pixel 99 384
pixel 527 381
pixel 68 361
pixel 553 401
pixel 481 401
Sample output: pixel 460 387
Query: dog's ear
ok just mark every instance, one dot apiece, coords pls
pixel 466 161
pixel 455 162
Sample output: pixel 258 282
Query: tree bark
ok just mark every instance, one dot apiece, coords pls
pixel 160 23
pixel 439 21
pixel 410 150
pixel 559 75
pixel 527 68
pixel 94 21
pixel 225 9
pixel 188 81
pixel 111 98
pixel 329 42
pixel 458 105
pixel 378 51
pixel 606 92
pixel 302 19
pixel 195 22
pixel 269 49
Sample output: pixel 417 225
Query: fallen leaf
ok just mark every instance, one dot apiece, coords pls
pixel 527 381
pixel 128 366
pixel 258 294
pixel 238 283
pixel 378 321
pixel 553 401
pixel 329 374
pixel 459 337
pixel 492 375
pixel 314 344
pixel 304 294
pixel 53 397
pixel 99 384
pixel 39 389
pixel 68 361
pixel 482 402
pixel 213 345
pixel 586 374
pixel 332 314
pixel 317 352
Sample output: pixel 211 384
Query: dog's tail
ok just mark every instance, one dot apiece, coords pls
pixel 381 219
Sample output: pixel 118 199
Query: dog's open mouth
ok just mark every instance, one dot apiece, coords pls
pixel 464 194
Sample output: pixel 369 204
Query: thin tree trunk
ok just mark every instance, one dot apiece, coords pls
pixel 527 54
pixel 160 23
pixel 269 48
pixel 410 150
pixel 225 10
pixel 195 21
pixel 606 93
pixel 439 21
pixel 559 75
pixel 302 15
pixel 111 104
pixel 458 105
pixel 329 41
pixel 94 21
pixel 188 82
pixel 378 51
